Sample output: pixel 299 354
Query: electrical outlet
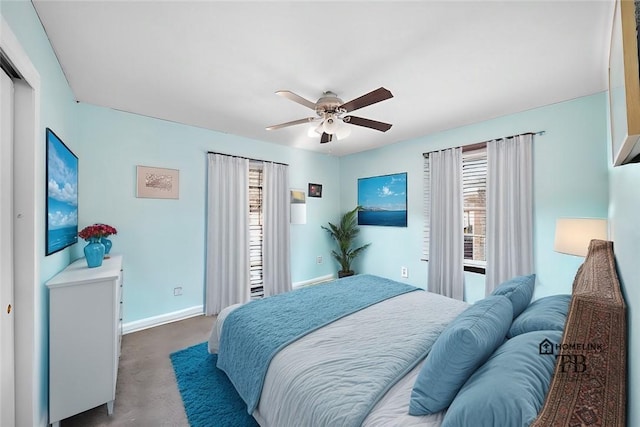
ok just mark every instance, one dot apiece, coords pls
pixel 319 259
pixel 177 291
pixel 404 272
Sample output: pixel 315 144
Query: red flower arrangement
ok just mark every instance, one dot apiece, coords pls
pixel 96 231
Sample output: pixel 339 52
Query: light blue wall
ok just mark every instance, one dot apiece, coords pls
pixel 163 241
pixel 624 215
pixel 624 226
pixel 624 230
pixel 570 179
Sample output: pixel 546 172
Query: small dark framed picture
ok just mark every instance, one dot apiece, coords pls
pixel 315 190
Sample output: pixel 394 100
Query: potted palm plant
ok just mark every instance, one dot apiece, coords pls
pixel 344 235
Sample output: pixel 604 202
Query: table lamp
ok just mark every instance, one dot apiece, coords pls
pixel 573 235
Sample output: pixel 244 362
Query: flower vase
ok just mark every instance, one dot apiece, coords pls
pixel 107 244
pixel 94 253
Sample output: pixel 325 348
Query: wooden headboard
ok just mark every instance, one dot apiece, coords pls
pixel 589 382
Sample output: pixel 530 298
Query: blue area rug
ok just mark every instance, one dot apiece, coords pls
pixel 208 396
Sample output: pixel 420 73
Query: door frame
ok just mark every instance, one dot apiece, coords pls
pixel 28 156
pixel 7 350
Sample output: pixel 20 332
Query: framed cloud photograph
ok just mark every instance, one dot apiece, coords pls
pixel 62 195
pixel 157 183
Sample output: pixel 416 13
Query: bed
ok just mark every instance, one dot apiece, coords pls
pixel 401 356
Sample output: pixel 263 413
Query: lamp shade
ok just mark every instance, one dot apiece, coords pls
pixel 573 235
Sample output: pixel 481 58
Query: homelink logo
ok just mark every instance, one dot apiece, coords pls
pixel 572 357
pixel 546 347
pixel 595 347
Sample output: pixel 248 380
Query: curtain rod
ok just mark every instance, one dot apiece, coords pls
pixel 477 145
pixel 248 158
pixel 542 132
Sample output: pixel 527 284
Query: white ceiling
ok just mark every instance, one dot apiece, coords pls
pixel 217 64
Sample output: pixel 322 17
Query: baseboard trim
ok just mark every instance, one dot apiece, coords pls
pixel 150 322
pixel 313 281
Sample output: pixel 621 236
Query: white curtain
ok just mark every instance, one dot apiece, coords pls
pixel 276 268
pixel 446 250
pixel 227 274
pixel 509 210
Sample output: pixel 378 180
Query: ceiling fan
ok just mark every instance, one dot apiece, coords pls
pixel 330 110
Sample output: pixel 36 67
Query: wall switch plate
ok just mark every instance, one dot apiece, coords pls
pixel 177 291
pixel 404 272
pixel 319 259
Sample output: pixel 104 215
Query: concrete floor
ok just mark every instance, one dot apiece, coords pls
pixel 146 392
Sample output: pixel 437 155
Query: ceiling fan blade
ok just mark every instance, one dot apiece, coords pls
pixel 292 123
pixel 368 123
pixel 372 97
pixel 297 98
pixel 326 137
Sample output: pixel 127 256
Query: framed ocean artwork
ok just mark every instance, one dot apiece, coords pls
pixel 383 200
pixel 62 195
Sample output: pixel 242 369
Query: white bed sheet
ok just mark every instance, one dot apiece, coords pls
pixel 393 409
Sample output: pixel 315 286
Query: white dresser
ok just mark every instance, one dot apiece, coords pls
pixel 85 330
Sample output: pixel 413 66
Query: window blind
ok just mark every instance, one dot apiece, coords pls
pixel 474 192
pixel 255 230
pixel 426 204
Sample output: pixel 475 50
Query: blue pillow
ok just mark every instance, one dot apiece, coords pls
pixel 546 314
pixel 510 388
pixel 463 346
pixel 519 290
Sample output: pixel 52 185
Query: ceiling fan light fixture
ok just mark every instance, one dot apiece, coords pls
pixel 330 125
pixel 343 132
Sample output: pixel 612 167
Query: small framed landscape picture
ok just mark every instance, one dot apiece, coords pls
pixel 298 207
pixel 315 190
pixel 157 183
pixel 297 197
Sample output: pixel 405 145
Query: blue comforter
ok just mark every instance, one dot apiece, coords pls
pixel 255 332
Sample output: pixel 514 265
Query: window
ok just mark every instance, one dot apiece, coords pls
pixel 474 191
pixel 255 230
